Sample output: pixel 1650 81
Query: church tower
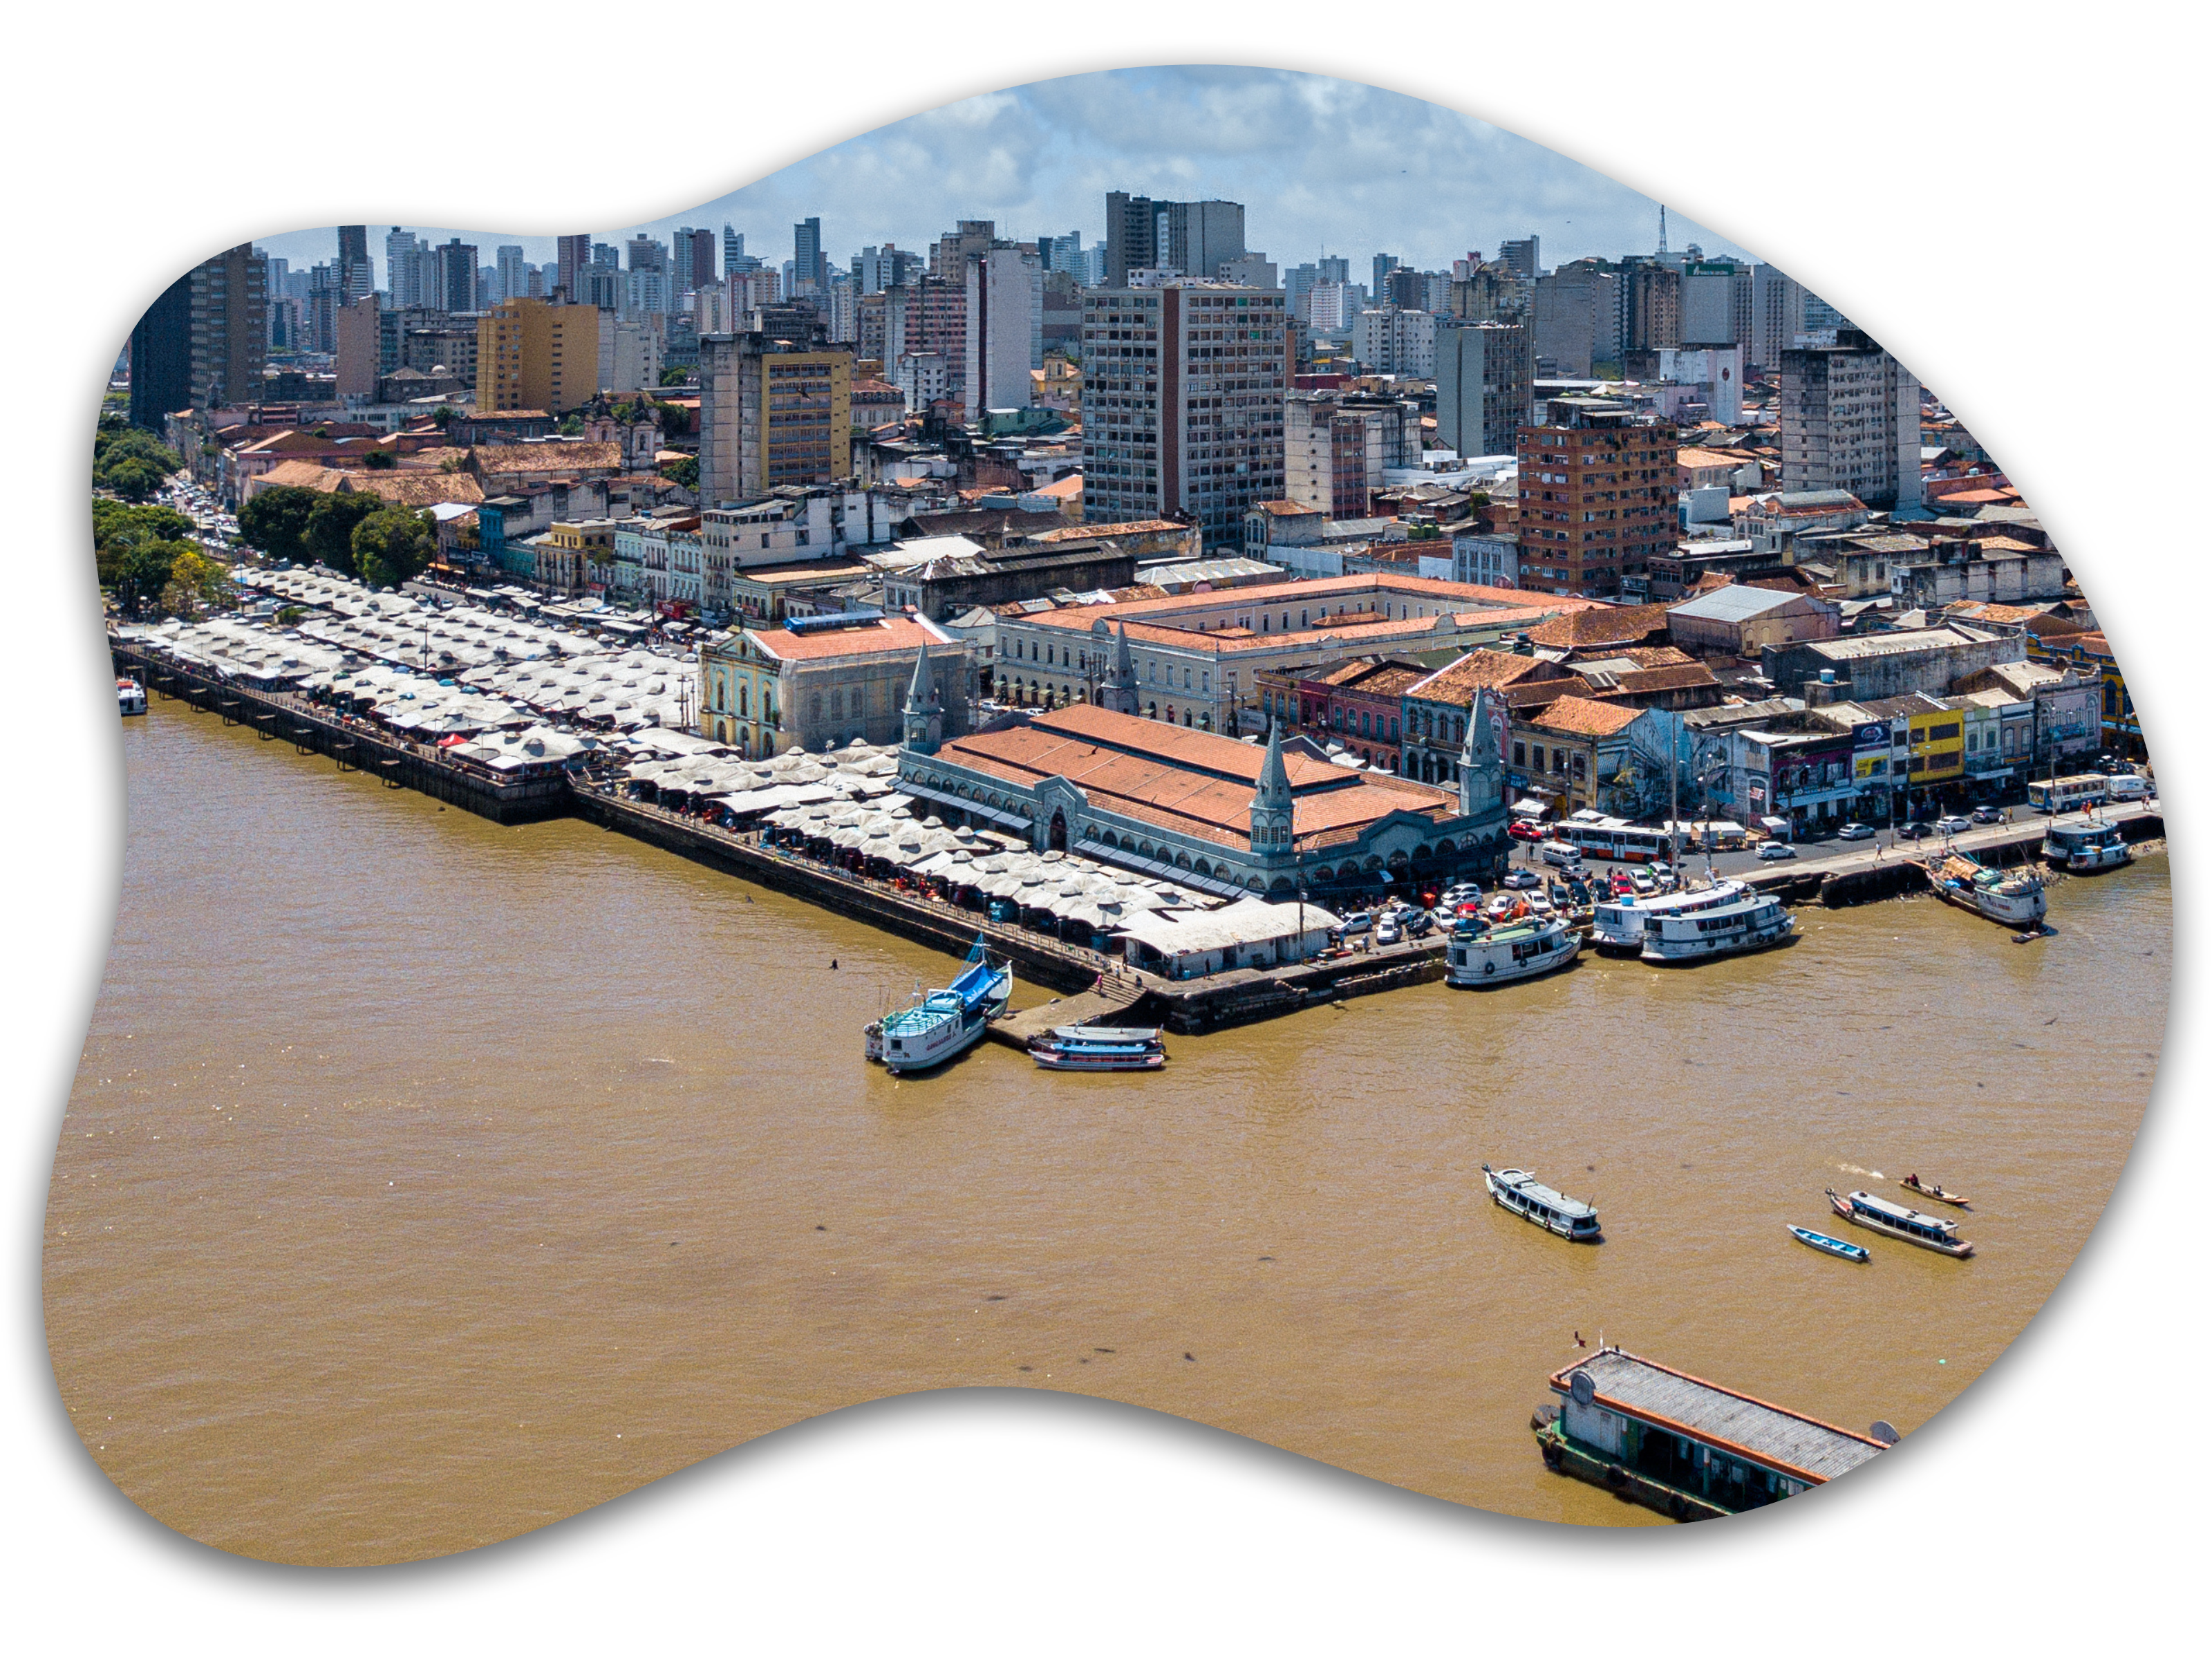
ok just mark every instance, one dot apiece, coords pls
pixel 1482 756
pixel 925 722
pixel 1272 807
pixel 1117 691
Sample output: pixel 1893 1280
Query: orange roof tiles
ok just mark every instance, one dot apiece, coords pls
pixel 1584 717
pixel 1602 624
pixel 904 634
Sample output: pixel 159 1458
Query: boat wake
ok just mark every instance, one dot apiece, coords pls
pixel 1853 1169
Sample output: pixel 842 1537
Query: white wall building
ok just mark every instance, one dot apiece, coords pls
pixel 1005 330
pixel 1390 341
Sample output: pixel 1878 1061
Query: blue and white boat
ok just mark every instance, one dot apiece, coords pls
pixel 1829 1246
pixel 945 1023
pixel 1100 1049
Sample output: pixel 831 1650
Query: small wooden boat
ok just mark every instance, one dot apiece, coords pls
pixel 1829 1246
pixel 1863 1209
pixel 1913 1183
pixel 1100 1049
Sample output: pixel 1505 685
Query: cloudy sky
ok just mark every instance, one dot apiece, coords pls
pixel 1322 165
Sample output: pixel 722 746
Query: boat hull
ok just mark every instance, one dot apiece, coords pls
pixel 1831 1246
pixel 1685 955
pixel 1512 1203
pixel 931 1050
pixel 1937 1194
pixel 1053 1060
pixel 1957 1248
pixel 1476 964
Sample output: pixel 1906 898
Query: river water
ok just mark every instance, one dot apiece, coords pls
pixel 425 1181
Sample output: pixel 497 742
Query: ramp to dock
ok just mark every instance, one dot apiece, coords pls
pixel 1098 1007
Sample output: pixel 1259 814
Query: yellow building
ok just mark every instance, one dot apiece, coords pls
pixel 1935 741
pixel 575 558
pixel 771 416
pixel 532 354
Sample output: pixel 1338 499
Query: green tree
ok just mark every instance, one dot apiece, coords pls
pixel 573 427
pixel 675 419
pixel 684 473
pixel 442 417
pixel 331 526
pixel 131 464
pixel 275 521
pixel 675 376
pixel 118 527
pixel 379 460
pixel 393 544
pixel 145 571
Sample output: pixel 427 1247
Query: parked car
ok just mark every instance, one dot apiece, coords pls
pixel 1620 884
pixel 1420 925
pixel 1563 854
pixel 1521 879
pixel 1989 815
pixel 1951 823
pixel 1644 884
pixel 1913 831
pixel 1856 832
pixel 1521 830
pixel 1776 849
pixel 1387 932
pixel 1357 922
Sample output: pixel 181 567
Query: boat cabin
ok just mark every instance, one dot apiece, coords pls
pixel 1685 1446
pixel 1903 1218
pixel 1518 1190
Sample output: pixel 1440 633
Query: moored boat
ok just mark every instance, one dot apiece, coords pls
pixel 1929 1232
pixel 1750 921
pixel 1913 1183
pixel 1617 924
pixel 946 1022
pixel 130 697
pixel 2015 897
pixel 1100 1049
pixel 1517 950
pixel 1519 1191
pixel 2084 849
pixel 1827 1246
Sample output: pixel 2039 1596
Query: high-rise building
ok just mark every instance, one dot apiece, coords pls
pixel 1384 265
pixel 1708 303
pixel 358 348
pixel 734 257
pixel 1336 446
pixel 950 253
pixel 1485 382
pixel 695 260
pixel 457 276
pixel 1597 500
pixel 809 269
pixel 511 273
pixel 1333 268
pixel 572 254
pixel 1194 239
pixel 1778 317
pixel 1389 340
pixel 359 275
pixel 607 254
pixel 1851 420
pixel 1577 318
pixel 1005 329
pixel 1182 404
pixel 229 328
pixel 1524 258
pixel 1653 307
pixel 647 254
pixel 162 358
pixel 533 354
pixel 1253 270
pixel 401 285
pixel 876 269
pixel 771 412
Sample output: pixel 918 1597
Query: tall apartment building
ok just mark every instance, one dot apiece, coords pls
pixel 1709 315
pixel 1488 293
pixel 1778 317
pixel 1390 341
pixel 950 253
pixel 1486 383
pixel 1182 404
pixel 571 255
pixel 511 273
pixel 771 412
pixel 695 260
pixel 1653 307
pixel 734 257
pixel 357 274
pixel 401 284
pixel 457 276
pixel 1597 500
pixel 1193 238
pixel 1851 420
pixel 809 271
pixel 534 355
pixel 359 344
pixel 1577 318
pixel 1004 288
pixel 162 358
pixel 1254 269
pixel 1524 258
pixel 937 325
pixel 1336 446
pixel 226 333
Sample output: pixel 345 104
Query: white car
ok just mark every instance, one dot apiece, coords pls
pixel 1777 850
pixel 1856 832
pixel 1387 932
pixel 1520 880
pixel 1951 825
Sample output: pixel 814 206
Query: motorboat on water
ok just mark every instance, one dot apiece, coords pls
pixel 130 697
pixel 1519 1191
pixel 1751 920
pixel 1827 1246
pixel 1913 1183
pixel 1617 924
pixel 2085 848
pixel 946 1022
pixel 1929 1232
pixel 1100 1049
pixel 2013 896
pixel 1500 954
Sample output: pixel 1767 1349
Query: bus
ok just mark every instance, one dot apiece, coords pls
pixel 1616 838
pixel 2069 794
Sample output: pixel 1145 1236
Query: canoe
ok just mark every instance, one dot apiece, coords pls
pixel 1829 1246
pixel 1913 1184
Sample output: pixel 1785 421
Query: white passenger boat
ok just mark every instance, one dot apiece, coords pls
pixel 2015 896
pixel 1751 921
pixel 1100 1049
pixel 944 1022
pixel 1617 928
pixel 2085 848
pixel 1518 950
pixel 1929 1232
pixel 130 697
pixel 1532 1201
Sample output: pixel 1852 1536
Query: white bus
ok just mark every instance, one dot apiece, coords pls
pixel 2069 794
pixel 1614 838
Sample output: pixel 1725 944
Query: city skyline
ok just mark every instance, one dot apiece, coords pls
pixel 1323 165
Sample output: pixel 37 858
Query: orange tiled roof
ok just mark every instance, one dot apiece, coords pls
pixel 1584 717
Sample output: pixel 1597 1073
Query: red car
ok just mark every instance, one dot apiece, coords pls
pixel 1521 830
pixel 1623 883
